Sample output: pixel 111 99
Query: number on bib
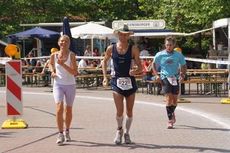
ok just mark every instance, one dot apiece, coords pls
pixel 124 83
pixel 172 81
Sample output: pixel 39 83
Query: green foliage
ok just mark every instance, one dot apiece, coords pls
pixel 187 16
pixel 180 15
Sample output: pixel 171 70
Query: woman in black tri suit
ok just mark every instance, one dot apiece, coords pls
pixel 123 81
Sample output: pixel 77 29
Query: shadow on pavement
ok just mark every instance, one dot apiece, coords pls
pixel 145 146
pixel 199 128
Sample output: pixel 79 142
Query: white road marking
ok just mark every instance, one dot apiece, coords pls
pixel 214 118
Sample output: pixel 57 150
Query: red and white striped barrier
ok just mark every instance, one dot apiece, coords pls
pixel 14 87
pixel 14 94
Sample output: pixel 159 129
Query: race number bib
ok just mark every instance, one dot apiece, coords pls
pixel 124 83
pixel 172 81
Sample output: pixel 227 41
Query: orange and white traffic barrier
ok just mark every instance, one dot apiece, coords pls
pixel 14 95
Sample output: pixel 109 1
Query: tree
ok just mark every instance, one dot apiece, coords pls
pixel 180 15
pixel 188 16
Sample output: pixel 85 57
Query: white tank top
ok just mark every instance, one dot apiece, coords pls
pixel 63 76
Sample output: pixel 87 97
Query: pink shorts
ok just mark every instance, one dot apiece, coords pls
pixel 64 91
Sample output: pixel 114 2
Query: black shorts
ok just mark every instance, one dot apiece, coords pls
pixel 125 93
pixel 168 88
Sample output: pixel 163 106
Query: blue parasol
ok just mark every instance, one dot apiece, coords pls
pixel 66 31
pixel 35 32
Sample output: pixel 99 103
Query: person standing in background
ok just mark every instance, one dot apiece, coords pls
pixel 123 81
pixel 63 67
pixel 170 62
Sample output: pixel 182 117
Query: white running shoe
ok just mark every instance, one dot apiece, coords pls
pixel 67 136
pixel 118 137
pixel 60 139
pixel 127 138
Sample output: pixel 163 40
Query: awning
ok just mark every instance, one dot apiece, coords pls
pixel 156 33
pixel 165 32
pixel 221 23
pixel 200 31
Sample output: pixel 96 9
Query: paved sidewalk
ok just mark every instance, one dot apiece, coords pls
pixel 202 125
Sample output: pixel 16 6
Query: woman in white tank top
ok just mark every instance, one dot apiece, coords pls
pixel 63 69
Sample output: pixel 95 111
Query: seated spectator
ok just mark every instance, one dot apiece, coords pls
pixel 144 52
pixel 147 69
pixel 95 62
pixel 83 63
pixel 96 52
pixel 30 62
pixel 38 67
pixel 148 76
pixel 87 51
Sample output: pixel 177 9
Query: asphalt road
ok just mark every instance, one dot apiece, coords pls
pixel 202 125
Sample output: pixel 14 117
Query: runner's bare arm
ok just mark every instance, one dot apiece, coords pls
pixel 51 64
pixel 136 57
pixel 106 58
pixel 183 71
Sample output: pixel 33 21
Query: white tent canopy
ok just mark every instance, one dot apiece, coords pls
pixel 91 30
